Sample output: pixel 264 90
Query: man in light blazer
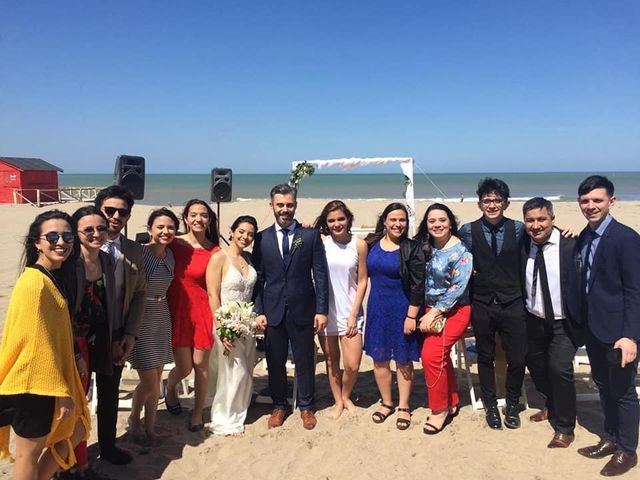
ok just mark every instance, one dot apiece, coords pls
pixel 292 291
pixel 609 255
pixel 130 293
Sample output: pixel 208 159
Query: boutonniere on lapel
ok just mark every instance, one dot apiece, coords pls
pixel 297 243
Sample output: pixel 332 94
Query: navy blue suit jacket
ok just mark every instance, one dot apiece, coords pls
pixel 291 284
pixel 613 302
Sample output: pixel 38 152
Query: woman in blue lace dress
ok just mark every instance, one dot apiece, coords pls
pixel 396 269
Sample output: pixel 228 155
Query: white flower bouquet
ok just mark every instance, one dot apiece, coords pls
pixel 237 319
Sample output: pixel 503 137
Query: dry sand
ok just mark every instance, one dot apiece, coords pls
pixel 352 447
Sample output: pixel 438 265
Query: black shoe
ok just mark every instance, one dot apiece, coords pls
pixel 493 418
pixel 512 415
pixel 116 456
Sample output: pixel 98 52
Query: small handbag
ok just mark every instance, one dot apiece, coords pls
pixel 438 324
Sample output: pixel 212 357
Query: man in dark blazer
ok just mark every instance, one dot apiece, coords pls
pixel 294 302
pixel 553 336
pixel 608 253
pixel 130 295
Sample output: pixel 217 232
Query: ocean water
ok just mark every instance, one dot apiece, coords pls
pixel 176 189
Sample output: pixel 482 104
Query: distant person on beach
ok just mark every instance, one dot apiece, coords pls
pixel 447 311
pixel 610 310
pixel 347 261
pixel 41 394
pixel 231 278
pixel 116 203
pixel 93 312
pixel 553 334
pixel 192 332
pixel 292 292
pixel 152 350
pixel 497 303
pixel 396 268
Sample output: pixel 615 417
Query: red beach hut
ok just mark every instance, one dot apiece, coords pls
pixel 34 179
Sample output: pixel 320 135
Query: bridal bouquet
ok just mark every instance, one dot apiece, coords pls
pixel 237 319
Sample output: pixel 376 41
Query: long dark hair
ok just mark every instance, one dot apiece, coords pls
pixel 332 206
pixel 423 232
pixel 30 253
pixel 163 212
pixel 379 232
pixel 212 232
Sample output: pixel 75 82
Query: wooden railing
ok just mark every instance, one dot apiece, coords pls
pixel 40 196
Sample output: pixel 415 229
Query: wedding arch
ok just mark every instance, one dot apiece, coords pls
pixel 405 163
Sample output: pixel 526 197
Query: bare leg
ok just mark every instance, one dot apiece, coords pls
pixel 201 369
pixel 351 358
pixel 28 450
pixel 47 466
pixel 151 404
pixel 382 373
pixel 405 380
pixel 331 350
pixel 182 357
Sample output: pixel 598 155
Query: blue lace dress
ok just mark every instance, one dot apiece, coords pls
pixel 384 338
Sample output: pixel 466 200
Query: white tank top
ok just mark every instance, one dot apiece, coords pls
pixel 343 283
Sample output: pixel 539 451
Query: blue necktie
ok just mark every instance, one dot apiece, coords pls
pixel 285 244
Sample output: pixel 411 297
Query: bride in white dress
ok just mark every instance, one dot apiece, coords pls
pixel 231 277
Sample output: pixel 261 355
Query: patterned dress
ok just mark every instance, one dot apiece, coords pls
pixel 153 346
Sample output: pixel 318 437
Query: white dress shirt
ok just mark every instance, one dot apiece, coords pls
pixel 280 236
pixel 118 261
pixel 535 301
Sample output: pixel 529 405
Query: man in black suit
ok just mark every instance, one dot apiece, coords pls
pixel 295 304
pixel 610 307
pixel 552 335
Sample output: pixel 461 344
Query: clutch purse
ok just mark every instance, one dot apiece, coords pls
pixel 438 324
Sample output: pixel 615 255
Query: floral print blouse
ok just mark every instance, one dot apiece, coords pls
pixel 447 276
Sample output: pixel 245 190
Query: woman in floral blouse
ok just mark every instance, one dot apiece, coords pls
pixel 448 269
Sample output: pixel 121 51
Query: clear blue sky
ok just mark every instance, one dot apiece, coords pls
pixel 467 86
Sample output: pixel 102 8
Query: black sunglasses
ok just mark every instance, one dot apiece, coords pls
pixel 53 237
pixel 91 230
pixel 111 211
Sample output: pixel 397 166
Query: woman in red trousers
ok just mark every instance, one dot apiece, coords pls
pixel 447 312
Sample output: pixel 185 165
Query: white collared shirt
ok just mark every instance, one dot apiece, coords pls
pixel 118 261
pixel 535 303
pixel 280 236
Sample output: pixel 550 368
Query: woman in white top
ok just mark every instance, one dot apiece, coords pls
pixel 346 257
pixel 231 277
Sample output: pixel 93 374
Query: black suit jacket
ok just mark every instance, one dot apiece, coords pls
pixel 611 309
pixel 568 284
pixel 290 285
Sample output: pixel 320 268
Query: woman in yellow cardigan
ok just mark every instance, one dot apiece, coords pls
pixel 41 396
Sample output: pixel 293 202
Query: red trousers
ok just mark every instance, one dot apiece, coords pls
pixel 82 455
pixel 440 377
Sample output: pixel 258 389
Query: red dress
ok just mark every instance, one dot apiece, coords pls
pixel 192 321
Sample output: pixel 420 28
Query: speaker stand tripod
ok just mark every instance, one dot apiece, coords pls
pixel 218 222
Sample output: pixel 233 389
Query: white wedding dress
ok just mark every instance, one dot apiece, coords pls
pixel 234 385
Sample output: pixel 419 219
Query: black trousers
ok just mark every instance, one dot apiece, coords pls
pixel 618 396
pixel 108 388
pixel 550 361
pixel 277 340
pixel 508 320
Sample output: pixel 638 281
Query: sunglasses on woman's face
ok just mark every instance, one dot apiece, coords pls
pixel 111 211
pixel 53 237
pixel 94 230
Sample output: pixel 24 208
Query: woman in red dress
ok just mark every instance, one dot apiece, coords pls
pixel 192 331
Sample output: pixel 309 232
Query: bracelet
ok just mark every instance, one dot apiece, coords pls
pixel 412 318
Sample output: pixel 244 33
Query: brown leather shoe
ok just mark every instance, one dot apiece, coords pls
pixel 277 418
pixel 541 416
pixel 620 463
pixel 308 419
pixel 561 440
pixel 601 450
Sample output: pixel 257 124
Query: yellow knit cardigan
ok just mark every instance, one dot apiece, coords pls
pixel 36 356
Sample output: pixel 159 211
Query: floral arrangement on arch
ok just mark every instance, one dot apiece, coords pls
pixel 302 170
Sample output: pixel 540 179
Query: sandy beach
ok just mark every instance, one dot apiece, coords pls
pixel 351 446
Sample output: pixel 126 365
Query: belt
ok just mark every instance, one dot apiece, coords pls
pixel 157 299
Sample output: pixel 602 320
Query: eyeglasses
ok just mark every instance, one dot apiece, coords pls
pixel 488 201
pixel 92 230
pixel 111 211
pixel 53 237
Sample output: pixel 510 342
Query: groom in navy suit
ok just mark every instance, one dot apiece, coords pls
pixel 609 254
pixel 292 291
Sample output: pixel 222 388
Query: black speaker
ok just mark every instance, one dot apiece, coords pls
pixel 129 173
pixel 221 185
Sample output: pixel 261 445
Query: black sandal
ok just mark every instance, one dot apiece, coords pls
pixel 173 409
pixel 379 417
pixel 432 429
pixel 403 423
